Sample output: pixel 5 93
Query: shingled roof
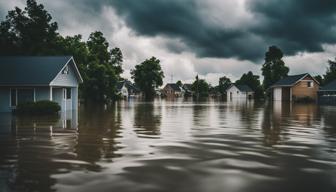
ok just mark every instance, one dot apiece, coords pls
pixel 329 87
pixel 289 80
pixel 174 86
pixel 32 70
pixel 244 88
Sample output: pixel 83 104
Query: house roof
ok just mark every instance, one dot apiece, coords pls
pixel 129 85
pixel 187 86
pixel 290 80
pixel 174 86
pixel 329 87
pixel 37 70
pixel 244 88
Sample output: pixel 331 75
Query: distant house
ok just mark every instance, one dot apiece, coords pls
pixel 327 94
pixel 295 87
pixel 187 89
pixel 239 92
pixel 172 90
pixel 126 89
pixel 30 79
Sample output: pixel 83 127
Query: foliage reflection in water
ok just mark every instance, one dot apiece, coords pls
pixel 172 146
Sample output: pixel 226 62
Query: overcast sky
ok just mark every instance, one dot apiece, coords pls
pixel 211 38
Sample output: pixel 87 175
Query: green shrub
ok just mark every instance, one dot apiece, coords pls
pixel 39 107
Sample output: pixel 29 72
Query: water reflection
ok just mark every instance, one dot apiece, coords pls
pixel 177 145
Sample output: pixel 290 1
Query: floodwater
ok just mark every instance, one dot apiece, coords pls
pixel 172 146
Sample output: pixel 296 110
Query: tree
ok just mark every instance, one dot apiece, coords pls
pixel 331 72
pixel 148 76
pixel 29 32
pixel 200 87
pixel 253 82
pixel 319 78
pixel 117 60
pixel 274 68
pixel 179 83
pixel 101 78
pixel 224 83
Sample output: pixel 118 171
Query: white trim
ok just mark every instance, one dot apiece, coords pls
pixel 34 95
pixel 50 93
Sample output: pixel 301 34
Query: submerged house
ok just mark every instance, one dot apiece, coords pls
pixel 295 87
pixel 239 92
pixel 172 90
pixel 327 94
pixel 30 79
pixel 127 89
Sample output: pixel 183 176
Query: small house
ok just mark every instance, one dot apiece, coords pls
pixel 327 94
pixel 295 87
pixel 127 89
pixel 172 90
pixel 239 92
pixel 187 87
pixel 30 79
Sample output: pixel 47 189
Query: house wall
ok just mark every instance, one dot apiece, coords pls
pixel 4 99
pixel 301 89
pixel 58 97
pixel 169 92
pixel 236 93
pixel 277 94
pixel 42 93
pixel 66 80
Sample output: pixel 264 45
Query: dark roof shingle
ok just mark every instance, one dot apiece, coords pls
pixel 30 70
pixel 244 88
pixel 174 86
pixel 289 80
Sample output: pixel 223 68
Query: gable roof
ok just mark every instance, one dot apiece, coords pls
pixel 187 86
pixel 242 88
pixel 33 70
pixel 128 84
pixel 330 86
pixel 174 86
pixel 291 80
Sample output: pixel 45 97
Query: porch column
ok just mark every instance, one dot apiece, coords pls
pixel 290 94
pixel 50 93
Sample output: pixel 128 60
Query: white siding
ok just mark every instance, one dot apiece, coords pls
pixel 66 80
pixel 235 93
pixel 277 94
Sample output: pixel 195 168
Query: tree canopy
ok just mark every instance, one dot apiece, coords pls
pixel 274 67
pixel 148 76
pixel 224 83
pixel 331 71
pixel 253 82
pixel 200 87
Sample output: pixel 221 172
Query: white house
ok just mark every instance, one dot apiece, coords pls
pixel 239 92
pixel 54 78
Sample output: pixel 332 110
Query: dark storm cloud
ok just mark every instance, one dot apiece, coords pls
pixel 300 25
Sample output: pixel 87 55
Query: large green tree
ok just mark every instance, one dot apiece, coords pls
pixel 148 76
pixel 29 32
pixel 274 67
pixel 224 83
pixel 200 87
pixel 331 72
pixel 253 82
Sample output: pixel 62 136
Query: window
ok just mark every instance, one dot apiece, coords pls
pixel 13 96
pixel 237 92
pixel 25 95
pixel 65 70
pixel 68 93
pixel 310 84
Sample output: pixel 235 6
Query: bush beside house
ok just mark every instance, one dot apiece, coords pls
pixel 39 107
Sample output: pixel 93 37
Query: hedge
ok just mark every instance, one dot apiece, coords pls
pixel 39 107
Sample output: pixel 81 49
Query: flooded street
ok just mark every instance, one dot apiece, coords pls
pixel 171 146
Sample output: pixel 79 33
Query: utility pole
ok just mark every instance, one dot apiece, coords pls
pixel 171 78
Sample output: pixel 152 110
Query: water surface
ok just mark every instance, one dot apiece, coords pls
pixel 172 146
